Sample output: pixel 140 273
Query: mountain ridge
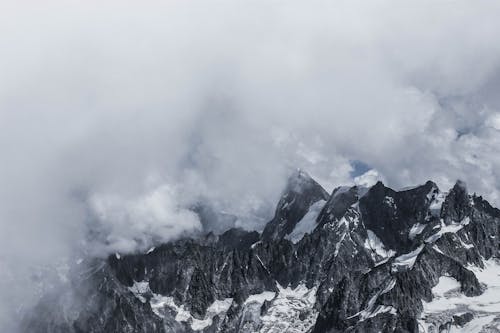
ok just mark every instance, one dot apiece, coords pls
pixel 371 263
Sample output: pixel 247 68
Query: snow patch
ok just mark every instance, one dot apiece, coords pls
pixel 376 246
pixel 436 202
pixel 379 310
pixel 220 306
pixel 288 203
pixel 139 289
pixel 444 285
pixel 371 310
pixel 307 224
pixel 415 230
pixel 465 245
pixel 292 311
pixel 406 261
pixel 159 302
pixel 350 219
pixel 159 305
pixel 255 244
pixel 437 249
pixel 260 298
pixel 389 201
pixel 476 325
pixel 445 229
pixel 262 264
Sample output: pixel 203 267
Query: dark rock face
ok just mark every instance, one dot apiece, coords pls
pixel 391 215
pixel 461 320
pixel 108 307
pixel 301 192
pixel 457 205
pixel 339 202
pixel 238 239
pixel 372 259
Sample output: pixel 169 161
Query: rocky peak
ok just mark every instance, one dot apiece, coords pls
pixel 299 195
pixel 458 203
pixel 339 202
pixel 376 260
pixel 300 181
pixel 392 215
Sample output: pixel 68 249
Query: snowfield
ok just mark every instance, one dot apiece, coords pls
pixel 449 301
pixel 406 261
pixel 307 224
pixel 160 304
pixel 291 311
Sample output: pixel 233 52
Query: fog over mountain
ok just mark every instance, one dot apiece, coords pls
pixel 121 121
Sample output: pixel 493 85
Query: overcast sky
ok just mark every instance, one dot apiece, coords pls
pixel 121 115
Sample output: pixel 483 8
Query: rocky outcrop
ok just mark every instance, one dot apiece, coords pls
pixel 300 194
pixel 97 302
pixel 369 264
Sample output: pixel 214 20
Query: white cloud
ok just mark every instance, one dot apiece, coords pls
pixel 219 100
pixel 494 121
pixel 130 224
pixel 369 178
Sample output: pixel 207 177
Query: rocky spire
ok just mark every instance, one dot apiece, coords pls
pixel 301 192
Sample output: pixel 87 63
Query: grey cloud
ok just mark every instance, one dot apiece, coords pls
pixel 189 102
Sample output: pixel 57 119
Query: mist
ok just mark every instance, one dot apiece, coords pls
pixel 117 118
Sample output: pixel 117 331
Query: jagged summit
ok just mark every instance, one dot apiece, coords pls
pixel 458 203
pixel 300 181
pixel 358 260
pixel 341 199
pixel 392 214
pixel 300 194
pixel 460 184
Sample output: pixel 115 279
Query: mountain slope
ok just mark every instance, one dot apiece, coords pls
pixel 359 260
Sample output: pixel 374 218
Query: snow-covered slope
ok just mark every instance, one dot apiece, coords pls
pixel 449 303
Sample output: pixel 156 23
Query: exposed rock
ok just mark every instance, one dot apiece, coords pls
pixel 300 194
pixel 462 319
pixel 370 264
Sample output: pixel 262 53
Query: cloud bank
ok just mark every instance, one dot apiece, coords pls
pixel 121 117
